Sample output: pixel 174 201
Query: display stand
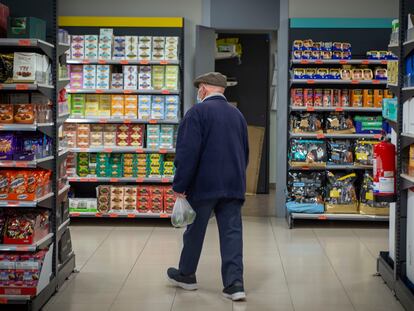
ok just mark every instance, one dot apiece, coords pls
pixel 373 39
pixel 392 265
pixel 85 187
pixel 36 298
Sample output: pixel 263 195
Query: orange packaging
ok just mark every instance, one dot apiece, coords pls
pixel 47 186
pixel 388 94
pixel 378 96
pixel 18 186
pixel 368 98
pixel 83 133
pixel 157 205
pixel 356 98
pixel 6 113
pixel 4 185
pixel 131 106
pixel 23 113
pixel 117 106
pixel 308 97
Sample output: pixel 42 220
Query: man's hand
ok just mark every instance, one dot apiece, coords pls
pixel 180 195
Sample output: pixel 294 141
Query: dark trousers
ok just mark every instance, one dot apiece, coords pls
pixel 228 215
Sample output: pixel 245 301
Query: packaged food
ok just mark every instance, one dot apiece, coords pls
pixel 96 135
pixel 336 98
pixel 158 48
pixel 130 77
pixel 6 113
pixel 91 105
pixel 145 78
pixel 327 95
pixel 308 97
pixel 367 74
pixel 136 135
pixel 131 47
pixel 368 205
pixel 340 152
pixel 321 73
pixel 341 195
pixel 345 98
pixel 378 96
pixel 109 135
pixel 318 97
pixel 307 153
pixel 104 198
pixel 310 73
pixel 167 136
pixel 103 74
pixel 117 81
pixel 171 107
pixel 117 105
pixel 8 146
pixel 158 77
pixel 158 108
pixel 381 74
pixel 105 43
pixel 305 187
pixel 339 123
pixel 89 76
pixel 69 131
pixel 307 44
pixel 346 74
pixel 335 73
pixel 77 47
pixel 297 45
pixel 122 135
pixel 105 105
pixel 357 98
pixel 76 76
pixel 364 150
pixel 29 67
pixel 297 54
pixel 131 106
pixel 144 48
pixel 368 98
pixel 298 73
pixel 130 199
pixel 297 97
pixel 306 123
pixel 368 124
pixel 119 48
pixel 91 47
pixel 357 74
pixel 326 55
pixel 144 107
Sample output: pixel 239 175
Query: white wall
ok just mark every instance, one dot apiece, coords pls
pixel 189 9
pixel 343 8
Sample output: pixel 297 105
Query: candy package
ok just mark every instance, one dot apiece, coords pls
pixel 306 123
pixel 341 195
pixel 340 152
pixel 306 187
pixel 364 152
pixel 367 202
pixel 307 153
pixel 339 123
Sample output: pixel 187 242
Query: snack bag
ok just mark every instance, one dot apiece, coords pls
pixel 341 195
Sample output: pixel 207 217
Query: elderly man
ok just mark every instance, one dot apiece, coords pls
pixel 211 160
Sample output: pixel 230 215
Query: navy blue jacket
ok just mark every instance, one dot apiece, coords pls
pixel 212 152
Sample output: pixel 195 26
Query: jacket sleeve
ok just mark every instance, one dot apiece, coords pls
pixel 187 152
pixel 246 143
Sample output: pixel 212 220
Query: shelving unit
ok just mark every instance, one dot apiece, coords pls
pixel 336 82
pixel 81 185
pixel 393 268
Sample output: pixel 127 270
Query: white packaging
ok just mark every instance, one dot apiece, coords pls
pixel 158 48
pixel 103 73
pixel 77 47
pixel 105 43
pixel 144 48
pixel 131 47
pixel 28 67
pixel 89 76
pixel 145 78
pixel 410 116
pixel 91 47
pixel 171 48
pixel 410 235
pixel 119 48
pixel 117 81
pixel 406 113
pixel 130 77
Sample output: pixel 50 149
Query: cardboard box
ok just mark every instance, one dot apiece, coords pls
pixel 171 48
pixel 131 47
pixel 377 211
pixel 256 136
pixel 117 106
pixel 77 105
pixel 158 48
pixel 411 161
pixel 77 47
pixel 29 67
pixel 104 105
pixel 144 48
pixel 131 106
pixel 119 48
pixel 91 105
pixel 130 77
pixel 144 107
pixel 368 98
pixel 378 96
pixel 89 76
pixel 145 78
pixel 27 28
pixel 117 81
pixel 91 47
pixel 105 43
pixel 103 73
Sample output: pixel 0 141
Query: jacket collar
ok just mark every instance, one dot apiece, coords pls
pixel 214 95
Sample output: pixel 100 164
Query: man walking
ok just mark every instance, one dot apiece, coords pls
pixel 211 160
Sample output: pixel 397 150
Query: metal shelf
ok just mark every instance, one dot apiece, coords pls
pixel 330 167
pixel 337 81
pixel 116 91
pixel 24 127
pixel 62 228
pixel 41 244
pixel 119 215
pixel 66 269
pixel 356 217
pixel 408 93
pixel 408 178
pixel 122 179
pixel 45 89
pixel 408 47
pixel 343 136
pixel 28 44
pixel 339 61
pixel 62 48
pixel 119 120
pixel 225 55
pixel 337 109
pixel 27 164
pixel 121 62
pixel 62 83
pixel 394 48
pixel 117 149
pixel 19 203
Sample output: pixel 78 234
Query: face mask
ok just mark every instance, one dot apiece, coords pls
pixel 199 100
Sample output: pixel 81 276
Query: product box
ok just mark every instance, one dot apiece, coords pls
pixel 131 106
pixel 23 114
pixel 144 48
pixel 341 208
pixel 77 47
pixel 26 28
pixel 171 107
pixel 76 76
pixel 6 113
pixel 82 205
pixel 104 106
pixel 144 78
pixel 130 77
pixel 153 136
pixel 411 161
pixel 167 136
pixel 110 135
pixel 119 48
pixel 296 97
pixel 130 199
pixel 136 134
pixel 171 48
pixel 131 47
pixel 308 97
pixel 82 135
pixel 368 98
pixel 102 76
pixel 378 96
pixel 105 44
pixel 357 98
pixel 117 105
pixel 69 130
pixel 158 108
pixel 144 107
pixel 171 77
pixel 91 105
pixel 96 135
pixel 89 76
pixel 158 77
pixel 77 105
pixel 117 81
pixel 117 199
pixel 28 67
pixel 122 135
pixel 91 47
pixel 158 48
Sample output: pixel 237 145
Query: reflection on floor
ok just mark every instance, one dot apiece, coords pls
pixel 313 267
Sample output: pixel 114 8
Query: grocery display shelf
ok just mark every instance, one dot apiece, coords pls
pixel 339 61
pixel 62 83
pixel 62 228
pixel 408 47
pixel 45 89
pixel 24 127
pixel 385 268
pixel 20 203
pixel 337 81
pixel 62 48
pixel 41 244
pixel 407 92
pixel 408 179
pixel 119 215
pixel 63 192
pixel 325 216
pixel 336 109
pixel 344 136
pixel 120 62
pixel 62 118
pixel 225 55
pixel 394 48
pixel 117 149
pixel 66 269
pixel 330 167
pixel 119 91
pixel 393 88
pixel 119 120
pixel 122 179
pixel 26 164
pixel 28 44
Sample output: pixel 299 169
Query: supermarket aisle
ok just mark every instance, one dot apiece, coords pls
pixel 320 268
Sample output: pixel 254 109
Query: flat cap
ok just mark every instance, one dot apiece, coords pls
pixel 211 78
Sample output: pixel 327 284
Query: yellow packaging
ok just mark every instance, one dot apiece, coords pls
pixel 388 94
pixel 91 105
pixel 411 161
pixel 117 105
pixel 104 105
pixel 341 208
pixel 131 106
pixel 377 211
pixel 356 98
pixel 378 96
pixel 368 98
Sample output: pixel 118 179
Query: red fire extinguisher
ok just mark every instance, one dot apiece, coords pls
pixel 384 172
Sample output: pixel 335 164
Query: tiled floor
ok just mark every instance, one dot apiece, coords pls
pixel 313 267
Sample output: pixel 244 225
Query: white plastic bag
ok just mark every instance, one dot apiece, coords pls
pixel 182 214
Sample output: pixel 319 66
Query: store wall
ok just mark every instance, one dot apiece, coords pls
pixel 343 8
pixel 189 9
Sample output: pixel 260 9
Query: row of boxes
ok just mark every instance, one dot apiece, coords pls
pixel 105 77
pixel 106 46
pixel 143 107
pixel 122 135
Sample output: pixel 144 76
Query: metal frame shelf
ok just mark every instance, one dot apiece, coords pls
pixel 45 89
pixel 119 120
pixel 335 109
pixel 28 44
pixel 118 149
pixel 122 179
pixel 41 244
pixel 119 215
pixel 122 91
pixel 337 81
pixel 121 62
pixel 408 47
pixel 21 203
pixel 330 167
pixel 42 162
pixel 339 61
pixel 331 135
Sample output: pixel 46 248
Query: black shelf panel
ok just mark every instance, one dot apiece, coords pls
pixel 407 93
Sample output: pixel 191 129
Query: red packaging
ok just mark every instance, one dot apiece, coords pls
pixel 4 16
pixel 308 97
pixel 345 98
pixel 136 135
pixel 143 190
pixel 143 204
pixel 336 98
pixel 122 135
pixel 297 97
pixel 4 185
pixel 327 97
pixel 26 228
pixel 157 204
pixel 318 98
pixel 18 185
pixel 156 191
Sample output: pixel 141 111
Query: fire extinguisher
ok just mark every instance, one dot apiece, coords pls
pixel 384 172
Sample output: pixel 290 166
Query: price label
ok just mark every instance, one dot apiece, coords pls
pixel 310 81
pixel 343 61
pixel 83 149
pixel 320 136
pixel 165 180
pixel 98 215
pixel 127 91
pixel 22 87
pixel 93 180
pixel 322 217
pixel 165 92
pixel 103 121
pixel 108 150
pixel 124 62
pixel 13 203
pixel 21 163
pixel 365 62
pixel 102 61
pixel 1 126
pixel 140 180
pixel 306 168
pixel 377 136
pixel 304 61
pixel 98 91
pixel 85 61
pixel 318 61
pixel 310 109
pixel 127 121
pixel 113 179
pixel 163 151
pixel 354 81
pixel 163 62
pixel 144 62
pixel 163 215
pixel 384 62
pixel 74 214
pixel 152 121
pixel 24 42
pixel 139 150
pixel 375 81
pixel 339 109
pixel 1 86
pixel 131 215
pixel 113 215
